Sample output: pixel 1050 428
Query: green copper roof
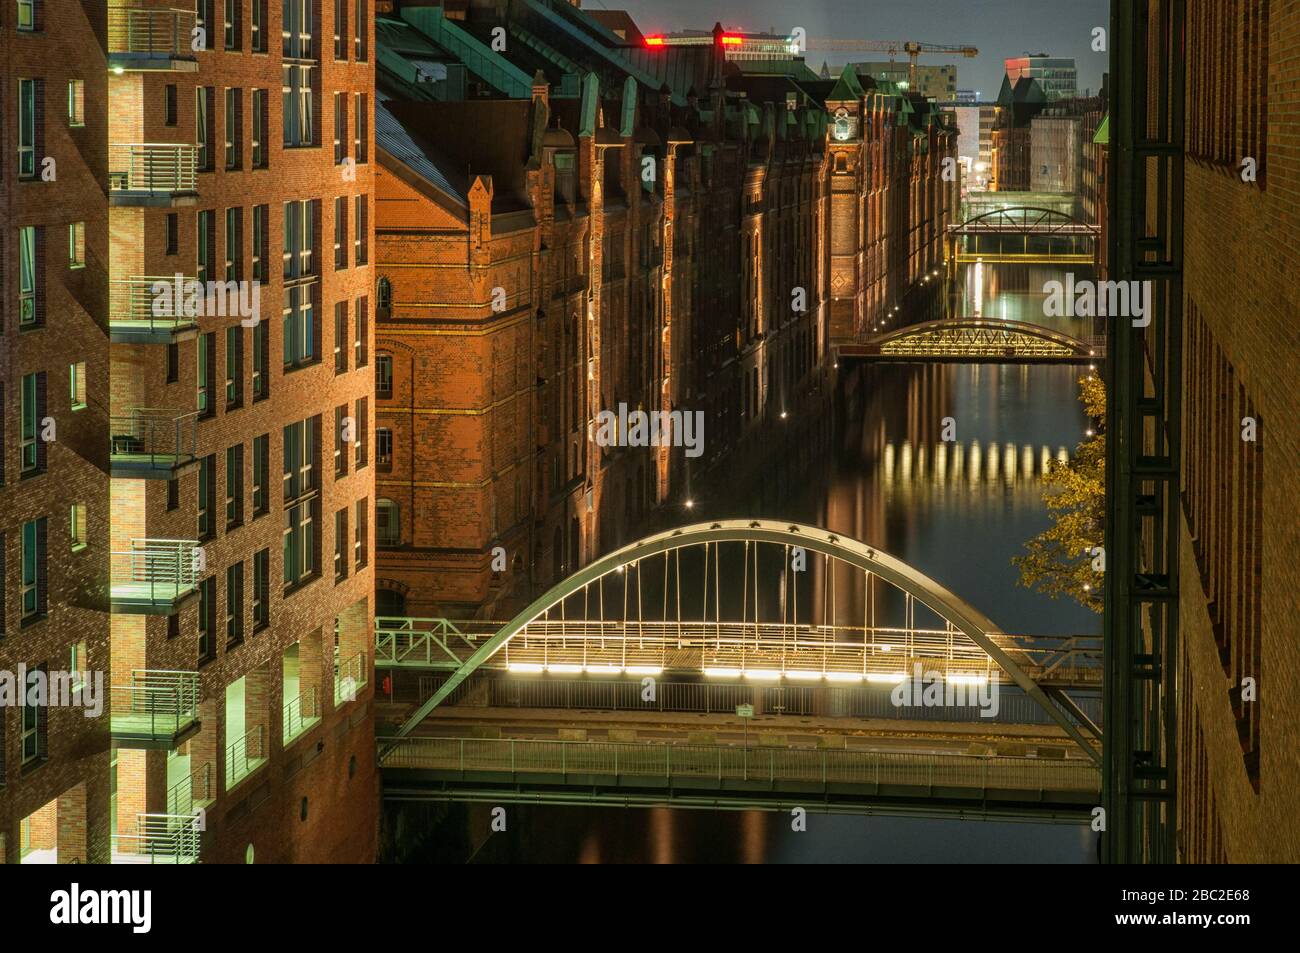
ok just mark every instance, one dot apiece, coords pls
pixel 1103 132
pixel 846 88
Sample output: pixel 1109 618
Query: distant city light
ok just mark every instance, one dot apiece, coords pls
pixel 654 41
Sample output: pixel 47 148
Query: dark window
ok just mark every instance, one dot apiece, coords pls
pixel 173 363
pixel 173 233
pixel 383 375
pixel 34 729
pixel 261 473
pixel 207 371
pixel 362 432
pixel 169 103
pixel 234 604
pixel 207 622
pixel 234 486
pixel 207 496
pixel 261 589
pixel 341 427
pixel 32 415
pixel 34 592
pixel 383 448
pixel 173 493
pixel 341 343
pixel 341 540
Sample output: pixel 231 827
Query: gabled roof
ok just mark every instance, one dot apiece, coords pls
pixel 418 153
pixel 846 88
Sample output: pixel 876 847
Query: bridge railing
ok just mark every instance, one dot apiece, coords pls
pixel 731 763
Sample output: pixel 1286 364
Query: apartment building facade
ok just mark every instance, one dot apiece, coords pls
pixel 229 620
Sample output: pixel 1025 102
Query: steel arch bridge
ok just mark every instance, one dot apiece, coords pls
pixel 874 619
pixel 1026 220
pixel 978 339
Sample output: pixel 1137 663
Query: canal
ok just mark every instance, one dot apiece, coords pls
pixel 957 510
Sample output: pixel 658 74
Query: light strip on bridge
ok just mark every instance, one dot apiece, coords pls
pixel 525 667
pixel 894 677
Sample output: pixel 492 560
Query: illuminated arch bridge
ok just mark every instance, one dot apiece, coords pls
pixel 977 340
pixel 754 600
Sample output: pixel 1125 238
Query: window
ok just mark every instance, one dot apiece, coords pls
pixel 383 375
pixel 207 20
pixel 207 618
pixel 361 544
pixel 173 494
pixel 169 104
pixel 231 24
pixel 207 496
pixel 341 545
pixel 27 14
pixel 340 443
pixel 234 124
pixel 361 129
pixel 206 370
pixel 362 432
pixel 261 360
pixel 261 589
pixel 33 590
pixel 361 242
pixel 362 344
pixel 32 412
pixel 383 297
pixel 299 238
pixel 260 213
pixel 298 94
pixel 259 26
pixel 77 385
pixel 259 129
pixel 300 337
pixel 76 102
pixel 297 29
pixel 359 31
pixel 204 240
pixel 173 233
pixel 234 366
pixel 301 448
pixel 234 486
pixel 261 474
pixel 340 127
pixel 76 244
pixel 340 337
pixel 77 526
pixel 28 130
pixel 383 448
pixel 203 126
pixel 388 530
pixel 35 720
pixel 300 560
pixel 78 664
pixel 234 604
pixel 30 273
pixel 234 244
pixel 340 29
pixel 340 232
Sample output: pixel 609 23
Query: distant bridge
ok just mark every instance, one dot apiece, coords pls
pixel 1025 220
pixel 1036 234
pixel 977 340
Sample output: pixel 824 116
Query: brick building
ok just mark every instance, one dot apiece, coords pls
pixel 144 539
pixel 613 223
pixel 1238 740
pixel 1018 103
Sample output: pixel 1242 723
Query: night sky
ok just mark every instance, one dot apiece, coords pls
pixel 998 28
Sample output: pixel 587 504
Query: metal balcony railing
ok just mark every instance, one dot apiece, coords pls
pixel 350 676
pixel 154 570
pixel 156 704
pixel 152 166
pixel 301 713
pixel 195 787
pixel 135 302
pixel 244 755
pixel 154 436
pixel 159 839
pixel 150 30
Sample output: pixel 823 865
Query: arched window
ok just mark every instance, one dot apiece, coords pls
pixel 384 294
pixel 388 523
pixel 389 602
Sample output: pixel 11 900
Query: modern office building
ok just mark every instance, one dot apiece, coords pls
pixel 938 83
pixel 188 470
pixel 1057 76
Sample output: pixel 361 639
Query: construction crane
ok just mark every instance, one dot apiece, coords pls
pixel 893 48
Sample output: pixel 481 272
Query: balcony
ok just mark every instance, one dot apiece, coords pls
pixel 150 39
pixel 140 311
pixel 153 444
pixel 301 714
pixel 152 174
pixel 195 789
pixel 159 839
pixel 245 755
pixel 158 709
pixel 349 678
pixel 154 577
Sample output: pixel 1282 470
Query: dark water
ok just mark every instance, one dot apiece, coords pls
pixel 957 512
